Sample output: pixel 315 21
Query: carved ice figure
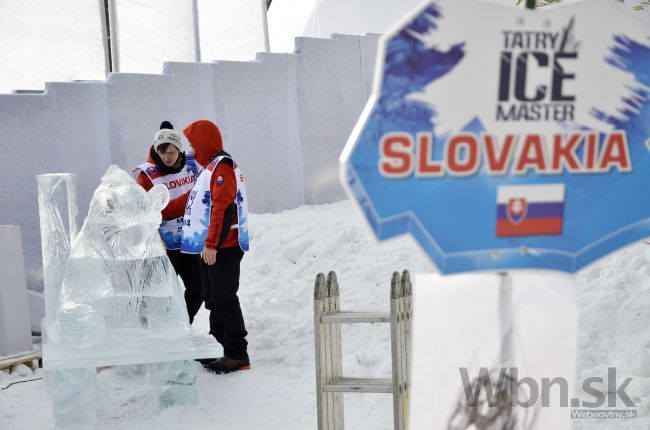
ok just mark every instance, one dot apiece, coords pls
pixel 118 273
pixel 119 303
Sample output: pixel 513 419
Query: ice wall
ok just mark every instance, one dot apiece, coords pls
pixel 50 40
pixel 257 109
pixel 285 118
pixel 63 130
pixel 330 98
pixel 137 104
pixel 15 334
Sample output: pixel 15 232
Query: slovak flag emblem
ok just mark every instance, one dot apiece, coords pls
pixel 516 210
pixel 220 180
pixel 528 210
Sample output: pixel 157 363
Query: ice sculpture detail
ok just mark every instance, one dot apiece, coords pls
pixel 119 303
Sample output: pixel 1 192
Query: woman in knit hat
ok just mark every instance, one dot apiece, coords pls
pixel 168 164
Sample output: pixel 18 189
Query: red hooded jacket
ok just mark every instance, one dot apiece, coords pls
pixel 205 138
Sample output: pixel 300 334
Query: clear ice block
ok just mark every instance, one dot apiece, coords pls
pixel 57 207
pixel 72 394
pixel 119 302
pixel 174 382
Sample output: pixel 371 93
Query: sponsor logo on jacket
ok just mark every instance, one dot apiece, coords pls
pixel 180 182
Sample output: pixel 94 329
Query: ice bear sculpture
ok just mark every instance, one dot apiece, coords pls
pixel 118 277
pixel 120 303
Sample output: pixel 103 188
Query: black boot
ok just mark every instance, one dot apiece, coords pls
pixel 227 365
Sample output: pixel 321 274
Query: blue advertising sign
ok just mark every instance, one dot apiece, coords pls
pixel 505 138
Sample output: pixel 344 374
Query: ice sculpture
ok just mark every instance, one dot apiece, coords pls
pixel 119 303
pixel 57 204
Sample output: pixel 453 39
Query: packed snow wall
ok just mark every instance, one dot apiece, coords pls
pixel 256 107
pixel 327 117
pixel 284 117
pixel 63 130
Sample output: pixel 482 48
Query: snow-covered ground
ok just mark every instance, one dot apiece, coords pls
pixel 614 329
pixel 276 291
pixel 288 250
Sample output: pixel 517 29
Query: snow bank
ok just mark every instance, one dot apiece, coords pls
pixel 288 249
pixel 614 328
pixel 276 292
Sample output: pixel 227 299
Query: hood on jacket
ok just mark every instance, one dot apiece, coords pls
pixel 205 138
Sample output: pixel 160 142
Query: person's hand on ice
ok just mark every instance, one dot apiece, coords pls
pixel 209 256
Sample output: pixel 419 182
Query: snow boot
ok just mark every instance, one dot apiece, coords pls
pixel 227 365
pixel 205 361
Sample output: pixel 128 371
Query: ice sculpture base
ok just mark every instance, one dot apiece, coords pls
pixel 118 350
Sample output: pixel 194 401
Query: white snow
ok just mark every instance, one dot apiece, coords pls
pixel 288 249
pixel 614 328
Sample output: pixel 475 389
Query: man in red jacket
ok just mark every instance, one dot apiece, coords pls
pixel 216 227
pixel 167 164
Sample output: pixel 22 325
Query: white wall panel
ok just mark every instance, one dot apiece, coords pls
pixel 63 130
pixel 287 20
pixel 232 29
pixel 150 32
pixel 369 44
pixel 138 103
pixel 15 326
pixel 330 99
pixel 256 110
pixel 50 40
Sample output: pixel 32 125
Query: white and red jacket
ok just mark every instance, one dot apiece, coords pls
pixel 198 211
pixel 218 214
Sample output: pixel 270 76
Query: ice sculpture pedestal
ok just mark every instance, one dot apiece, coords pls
pixel 126 351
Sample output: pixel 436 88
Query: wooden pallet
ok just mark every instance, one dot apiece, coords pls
pixel 33 359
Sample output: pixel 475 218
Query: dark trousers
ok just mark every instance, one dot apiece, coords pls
pixel 188 267
pixel 221 283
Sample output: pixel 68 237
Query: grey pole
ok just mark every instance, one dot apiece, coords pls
pixel 197 35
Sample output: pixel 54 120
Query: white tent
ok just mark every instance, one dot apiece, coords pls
pixel 288 19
